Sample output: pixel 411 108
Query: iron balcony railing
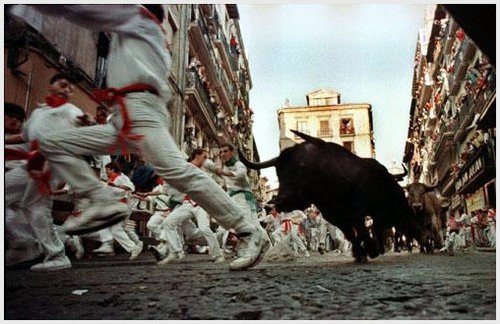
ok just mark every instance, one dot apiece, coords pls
pixel 227 49
pixel 194 83
pixel 462 60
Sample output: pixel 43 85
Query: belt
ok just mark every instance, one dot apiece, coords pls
pixel 117 95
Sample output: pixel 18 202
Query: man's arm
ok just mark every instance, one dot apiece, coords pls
pixel 15 139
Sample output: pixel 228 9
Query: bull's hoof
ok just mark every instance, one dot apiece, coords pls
pixel 361 259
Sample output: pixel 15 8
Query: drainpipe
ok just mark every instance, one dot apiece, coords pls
pixel 28 89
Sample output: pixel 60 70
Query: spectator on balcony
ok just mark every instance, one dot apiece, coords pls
pixel 194 64
pixel 478 139
pixel 233 44
pixel 346 126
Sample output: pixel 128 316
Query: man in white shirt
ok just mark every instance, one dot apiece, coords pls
pixel 122 188
pixel 189 210
pixel 137 71
pixel 23 189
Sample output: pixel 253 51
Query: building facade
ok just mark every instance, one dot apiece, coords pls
pixel 324 116
pixel 451 135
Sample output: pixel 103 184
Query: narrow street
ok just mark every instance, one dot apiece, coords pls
pixel 395 286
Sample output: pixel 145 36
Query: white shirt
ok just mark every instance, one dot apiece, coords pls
pixel 160 201
pixel 45 120
pixel 240 179
pixel 122 180
pixel 137 52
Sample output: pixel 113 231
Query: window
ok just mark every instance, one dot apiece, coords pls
pixel 302 126
pixel 171 30
pixel 349 145
pixel 102 54
pixel 346 126
pixel 324 128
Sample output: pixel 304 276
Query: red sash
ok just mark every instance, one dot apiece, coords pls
pixel 286 225
pixel 113 95
pixel 36 161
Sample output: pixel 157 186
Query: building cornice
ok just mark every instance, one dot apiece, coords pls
pixel 324 108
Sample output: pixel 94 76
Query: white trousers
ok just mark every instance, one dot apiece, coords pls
pixel 154 223
pixel 336 235
pixel 182 214
pixel 121 236
pixel 314 236
pixel 292 235
pixel 245 205
pixel 491 235
pixel 21 194
pixel 149 117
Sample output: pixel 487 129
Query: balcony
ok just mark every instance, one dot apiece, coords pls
pixel 462 60
pixel 484 97
pixel 228 59
pixel 465 117
pixel 445 136
pixel 200 41
pixel 325 133
pixel 197 98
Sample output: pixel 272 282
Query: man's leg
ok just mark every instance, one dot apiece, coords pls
pixel 159 148
pixel 203 221
pixel 245 205
pixel 119 234
pixel 154 223
pixel 63 149
pixel 37 209
pixel 21 243
pixel 170 231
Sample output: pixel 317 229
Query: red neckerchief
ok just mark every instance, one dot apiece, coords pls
pixel 112 177
pixel 55 101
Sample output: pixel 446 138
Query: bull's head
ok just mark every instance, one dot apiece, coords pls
pixel 290 196
pixel 416 192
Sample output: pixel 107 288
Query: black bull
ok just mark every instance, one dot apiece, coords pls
pixel 346 188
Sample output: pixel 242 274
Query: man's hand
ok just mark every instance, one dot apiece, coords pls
pixel 86 120
pixel 15 139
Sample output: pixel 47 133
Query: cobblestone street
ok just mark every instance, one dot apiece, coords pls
pixel 395 286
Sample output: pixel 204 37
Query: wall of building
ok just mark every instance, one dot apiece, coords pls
pixel 451 136
pixel 27 85
pixel 313 115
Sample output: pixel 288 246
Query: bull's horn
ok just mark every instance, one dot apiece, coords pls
pixel 308 138
pixel 256 165
pixel 430 188
pixel 400 176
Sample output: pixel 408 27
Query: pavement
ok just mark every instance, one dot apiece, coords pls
pixel 323 287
